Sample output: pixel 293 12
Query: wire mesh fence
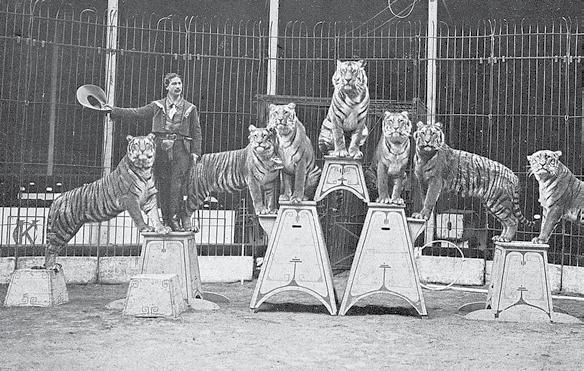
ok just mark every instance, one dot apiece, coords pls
pixel 504 90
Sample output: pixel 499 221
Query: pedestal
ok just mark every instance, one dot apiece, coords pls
pixel 520 289
pixel 173 253
pixel 296 258
pixel 154 295
pixel 36 288
pixel 384 259
pixel 267 222
pixel 342 174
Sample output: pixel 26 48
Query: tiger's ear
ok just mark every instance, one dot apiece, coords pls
pixel 271 106
pixel 386 114
pixel 558 154
pixel 406 114
pixel 251 128
pixel 339 63
pixel 438 124
pixel 419 125
pixel 151 136
pixel 362 62
pixel 129 138
pixel 292 105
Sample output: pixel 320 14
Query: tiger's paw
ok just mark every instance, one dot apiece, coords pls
pixel 284 197
pixel 54 267
pixel 356 154
pixel 421 215
pixel 147 228
pixel 339 153
pixel 262 210
pixel 162 229
pixel 538 240
pixel 501 239
pixel 398 201
pixel 383 200
pixel 295 199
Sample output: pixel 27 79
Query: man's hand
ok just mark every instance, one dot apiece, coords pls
pixel 107 108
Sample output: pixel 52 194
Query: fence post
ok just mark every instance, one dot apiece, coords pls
pixel 431 52
pixel 273 47
pixel 110 81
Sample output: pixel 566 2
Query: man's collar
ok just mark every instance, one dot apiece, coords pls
pixel 179 103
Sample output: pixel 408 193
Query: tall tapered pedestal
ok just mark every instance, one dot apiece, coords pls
pixel 342 174
pixel 173 253
pixel 296 258
pixel 384 260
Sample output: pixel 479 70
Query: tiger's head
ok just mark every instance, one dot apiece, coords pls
pixel 429 137
pixel 282 119
pixel 141 151
pixel 397 127
pixel 350 75
pixel 545 164
pixel 261 141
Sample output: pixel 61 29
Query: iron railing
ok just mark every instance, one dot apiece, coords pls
pixel 504 90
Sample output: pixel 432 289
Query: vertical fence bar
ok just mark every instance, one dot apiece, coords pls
pixel 110 81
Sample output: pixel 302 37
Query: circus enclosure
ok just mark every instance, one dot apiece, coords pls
pixel 501 88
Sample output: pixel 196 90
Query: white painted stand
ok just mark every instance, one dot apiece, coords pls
pixel 384 260
pixel 342 174
pixel 173 253
pixel 154 295
pixel 519 290
pixel 36 288
pixel 267 222
pixel 296 258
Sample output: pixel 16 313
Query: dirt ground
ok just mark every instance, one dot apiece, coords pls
pixel 291 331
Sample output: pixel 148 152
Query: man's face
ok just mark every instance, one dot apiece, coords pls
pixel 175 86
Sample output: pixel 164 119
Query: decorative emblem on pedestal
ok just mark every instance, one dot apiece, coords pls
pixel 154 295
pixel 339 174
pixel 520 290
pixel 36 288
pixel 173 253
pixel 384 260
pixel 296 258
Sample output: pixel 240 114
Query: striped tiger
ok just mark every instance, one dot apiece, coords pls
pixel 347 112
pixel 130 187
pixel 295 150
pixel 256 167
pixel 391 158
pixel 439 167
pixel 561 194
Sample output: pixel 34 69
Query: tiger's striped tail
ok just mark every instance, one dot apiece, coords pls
pixel 517 209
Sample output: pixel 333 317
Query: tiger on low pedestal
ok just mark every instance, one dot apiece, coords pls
pixel 439 167
pixel 391 159
pixel 561 194
pixel 130 187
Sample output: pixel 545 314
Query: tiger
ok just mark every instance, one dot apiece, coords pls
pixel 130 187
pixel 256 167
pixel 561 194
pixel 391 158
pixel 439 167
pixel 296 151
pixel 347 112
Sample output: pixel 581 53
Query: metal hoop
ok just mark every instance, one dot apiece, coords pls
pixel 459 273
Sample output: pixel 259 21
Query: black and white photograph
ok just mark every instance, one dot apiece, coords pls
pixel 291 184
